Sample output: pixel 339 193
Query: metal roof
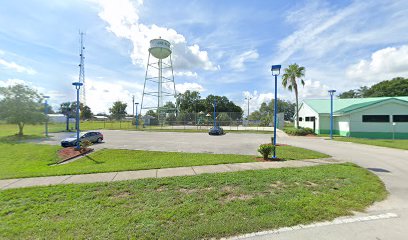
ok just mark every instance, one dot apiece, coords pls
pixel 346 105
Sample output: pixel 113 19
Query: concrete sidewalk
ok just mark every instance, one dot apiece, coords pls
pixel 157 173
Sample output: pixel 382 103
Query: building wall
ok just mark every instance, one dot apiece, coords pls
pixel 341 125
pixel 380 129
pixel 306 111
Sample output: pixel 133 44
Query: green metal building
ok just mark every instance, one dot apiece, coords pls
pixel 382 117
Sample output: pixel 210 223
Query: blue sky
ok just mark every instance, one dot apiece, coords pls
pixel 219 47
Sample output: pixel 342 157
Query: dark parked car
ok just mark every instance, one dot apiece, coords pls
pixel 94 137
pixel 216 131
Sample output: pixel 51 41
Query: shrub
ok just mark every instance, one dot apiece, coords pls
pixel 298 131
pixel 84 144
pixel 265 150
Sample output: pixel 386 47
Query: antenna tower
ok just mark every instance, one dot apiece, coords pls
pixel 82 69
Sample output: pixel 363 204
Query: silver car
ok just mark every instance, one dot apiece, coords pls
pixel 94 137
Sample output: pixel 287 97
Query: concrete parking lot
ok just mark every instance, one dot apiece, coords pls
pixel 232 143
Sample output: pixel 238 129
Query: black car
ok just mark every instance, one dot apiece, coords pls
pixel 94 137
pixel 216 131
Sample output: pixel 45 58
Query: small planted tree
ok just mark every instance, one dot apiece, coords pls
pixel 21 105
pixel 265 150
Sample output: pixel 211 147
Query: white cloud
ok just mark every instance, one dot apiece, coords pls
pixel 12 82
pixel 385 63
pixel 182 87
pixel 16 67
pixel 101 94
pixel 238 62
pixel 256 99
pixel 313 89
pixel 123 21
pixel 186 74
pixel 338 32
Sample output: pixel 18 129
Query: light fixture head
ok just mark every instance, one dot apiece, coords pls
pixel 46 97
pixel 77 84
pixel 275 69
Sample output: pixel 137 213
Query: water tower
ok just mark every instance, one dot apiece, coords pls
pixel 159 87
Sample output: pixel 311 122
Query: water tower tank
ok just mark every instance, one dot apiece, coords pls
pixel 160 48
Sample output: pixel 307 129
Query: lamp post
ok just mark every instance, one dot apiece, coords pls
pixel 77 87
pixel 46 114
pixel 248 98
pixel 215 105
pixel 136 118
pixel 275 69
pixel 331 92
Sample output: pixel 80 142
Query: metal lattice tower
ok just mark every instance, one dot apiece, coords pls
pixel 159 79
pixel 82 69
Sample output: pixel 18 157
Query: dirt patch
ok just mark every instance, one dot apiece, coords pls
pixel 68 153
pixel 162 189
pixel 311 184
pixel 121 195
pixel 277 185
pixel 243 197
pixel 187 191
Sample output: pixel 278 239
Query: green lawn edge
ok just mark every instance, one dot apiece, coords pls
pixel 34 160
pixel 397 144
pixel 194 207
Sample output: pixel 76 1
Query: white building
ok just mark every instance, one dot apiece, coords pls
pixel 382 117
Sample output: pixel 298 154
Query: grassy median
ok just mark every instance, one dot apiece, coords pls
pixel 33 160
pixel 399 144
pixel 195 207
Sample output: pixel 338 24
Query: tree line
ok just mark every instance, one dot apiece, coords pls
pixel 389 88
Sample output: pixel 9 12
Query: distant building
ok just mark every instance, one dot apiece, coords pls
pixel 382 117
pixel 58 118
pixel 100 118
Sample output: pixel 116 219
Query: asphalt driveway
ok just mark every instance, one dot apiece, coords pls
pixel 391 165
pixel 231 143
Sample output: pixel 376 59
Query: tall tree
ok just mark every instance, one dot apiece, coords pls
pixel 291 75
pixel 65 108
pixel 86 112
pixel 389 88
pixel 21 105
pixel 189 101
pixel 118 110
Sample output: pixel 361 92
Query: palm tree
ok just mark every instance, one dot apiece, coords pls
pixel 289 79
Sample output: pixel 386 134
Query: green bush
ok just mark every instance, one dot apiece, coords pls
pixel 298 131
pixel 265 150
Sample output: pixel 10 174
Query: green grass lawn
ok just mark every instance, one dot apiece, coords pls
pixel 194 207
pixel 400 144
pixel 33 131
pixel 33 160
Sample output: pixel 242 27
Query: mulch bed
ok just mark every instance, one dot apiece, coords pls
pixel 68 153
pixel 260 159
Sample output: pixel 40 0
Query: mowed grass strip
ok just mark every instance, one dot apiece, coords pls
pixel 195 207
pixel 399 143
pixel 34 160
pixel 33 131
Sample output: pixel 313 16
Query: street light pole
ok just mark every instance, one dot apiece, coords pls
pixel 136 118
pixel 77 87
pixel 331 92
pixel 133 104
pixel 275 69
pixel 215 105
pixel 46 114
